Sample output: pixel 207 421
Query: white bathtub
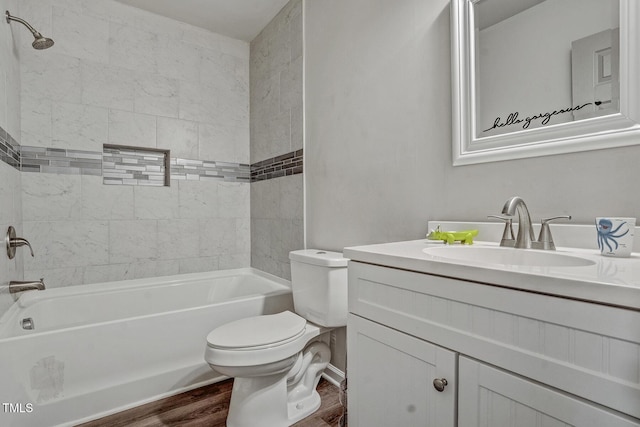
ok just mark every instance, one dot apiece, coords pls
pixel 102 348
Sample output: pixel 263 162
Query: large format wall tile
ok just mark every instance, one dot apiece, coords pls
pixel 218 236
pixel 10 215
pixel 179 136
pixel 179 239
pixel 78 126
pixel 156 202
pixel 131 241
pixel 223 142
pixel 79 35
pixel 277 198
pixel 47 199
pixel 123 76
pixel 37 131
pixel 106 86
pixel 106 202
pixel 129 128
pixel 156 95
pixel 67 243
pixel 198 200
pixel 197 102
pixel 179 60
pixel 141 56
pixel 195 265
pixel 9 195
pixel 10 180
pixel 52 77
pixel 234 200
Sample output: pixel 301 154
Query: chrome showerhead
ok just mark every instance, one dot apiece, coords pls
pixel 40 42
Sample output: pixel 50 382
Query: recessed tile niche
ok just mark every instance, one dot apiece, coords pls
pixel 127 165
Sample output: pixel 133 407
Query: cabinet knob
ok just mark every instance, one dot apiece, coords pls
pixel 439 384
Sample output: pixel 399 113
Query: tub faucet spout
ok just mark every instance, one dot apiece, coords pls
pixel 15 287
pixel 525 237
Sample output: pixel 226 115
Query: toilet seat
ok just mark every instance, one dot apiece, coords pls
pixel 257 332
pixel 258 340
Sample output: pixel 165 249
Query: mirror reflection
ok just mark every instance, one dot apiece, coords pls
pixel 542 63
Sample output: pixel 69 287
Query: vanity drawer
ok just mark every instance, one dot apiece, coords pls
pixel 586 349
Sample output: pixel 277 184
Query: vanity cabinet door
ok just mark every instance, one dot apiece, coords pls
pixel 391 378
pixel 492 397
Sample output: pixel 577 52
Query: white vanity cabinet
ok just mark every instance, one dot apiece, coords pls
pixel 488 396
pixel 510 358
pixel 391 378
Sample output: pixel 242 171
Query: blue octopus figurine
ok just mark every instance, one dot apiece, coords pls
pixel 606 234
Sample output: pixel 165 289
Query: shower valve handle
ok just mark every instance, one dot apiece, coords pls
pixel 14 242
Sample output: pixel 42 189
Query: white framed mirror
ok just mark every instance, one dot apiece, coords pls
pixel 542 77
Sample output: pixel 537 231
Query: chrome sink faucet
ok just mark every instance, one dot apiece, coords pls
pixel 525 238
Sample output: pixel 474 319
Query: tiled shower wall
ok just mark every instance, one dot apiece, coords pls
pixel 119 75
pixel 10 183
pixel 277 225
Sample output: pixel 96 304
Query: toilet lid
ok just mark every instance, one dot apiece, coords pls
pixel 258 331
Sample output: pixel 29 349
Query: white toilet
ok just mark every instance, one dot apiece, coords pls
pixel 277 359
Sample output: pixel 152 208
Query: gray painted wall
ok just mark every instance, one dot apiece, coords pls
pixel 378 135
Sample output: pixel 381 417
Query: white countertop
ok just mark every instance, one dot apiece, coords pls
pixel 613 281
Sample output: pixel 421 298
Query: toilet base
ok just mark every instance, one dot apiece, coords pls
pixel 303 408
pixel 253 403
pixel 282 399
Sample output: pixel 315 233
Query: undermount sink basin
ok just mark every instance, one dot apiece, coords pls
pixel 506 256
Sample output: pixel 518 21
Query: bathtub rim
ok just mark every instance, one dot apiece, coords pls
pixel 30 298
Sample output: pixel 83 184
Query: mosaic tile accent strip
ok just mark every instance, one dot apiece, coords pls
pixel 206 170
pixel 140 166
pixel 125 165
pixel 135 166
pixel 57 160
pixel 284 165
pixel 9 149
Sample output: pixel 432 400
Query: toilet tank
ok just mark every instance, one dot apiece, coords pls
pixel 319 285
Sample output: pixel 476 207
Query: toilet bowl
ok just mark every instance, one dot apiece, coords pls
pixel 277 360
pixel 272 364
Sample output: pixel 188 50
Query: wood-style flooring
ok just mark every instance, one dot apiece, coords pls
pixel 207 407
